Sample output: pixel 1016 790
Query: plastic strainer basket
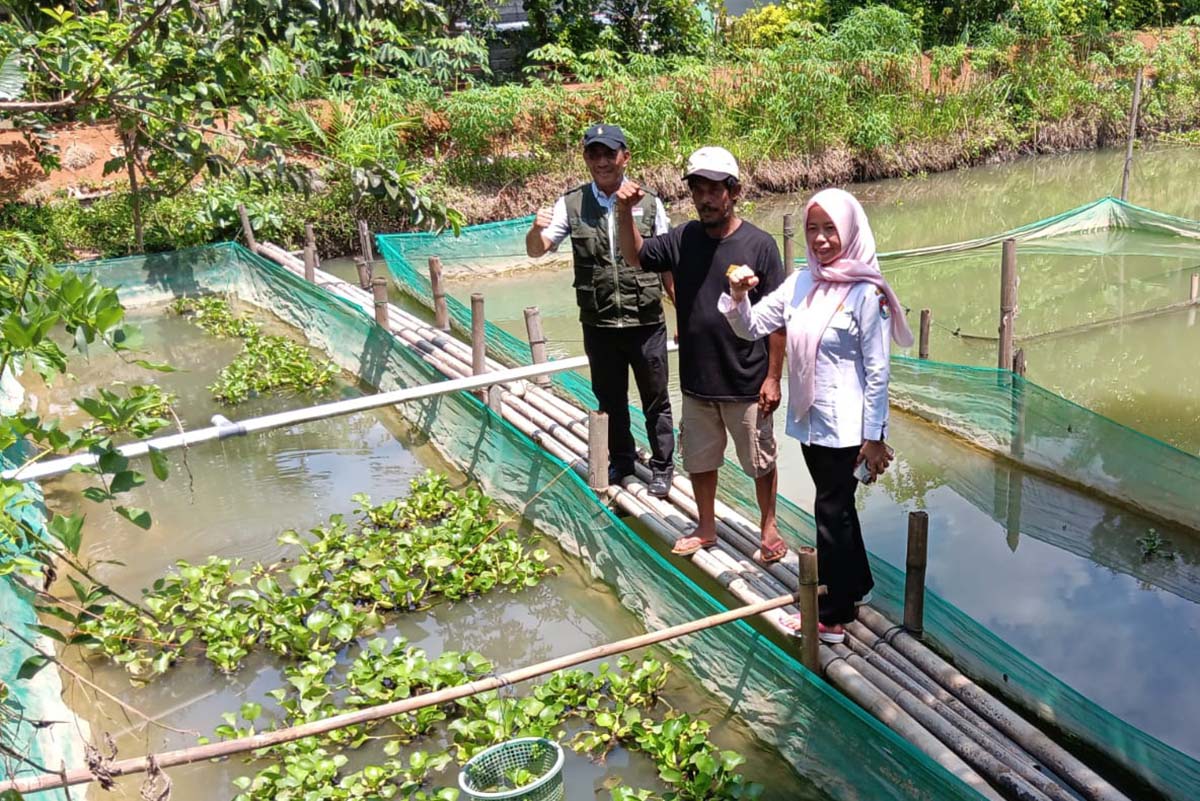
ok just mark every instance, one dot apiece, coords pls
pixel 536 754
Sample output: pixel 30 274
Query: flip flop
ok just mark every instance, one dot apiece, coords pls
pixel 696 544
pixel 771 555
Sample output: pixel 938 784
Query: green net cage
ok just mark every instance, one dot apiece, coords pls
pixel 490 774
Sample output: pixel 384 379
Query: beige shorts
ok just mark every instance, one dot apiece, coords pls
pixel 702 429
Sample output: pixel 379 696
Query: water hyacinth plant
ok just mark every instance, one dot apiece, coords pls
pixel 268 363
pixel 402 555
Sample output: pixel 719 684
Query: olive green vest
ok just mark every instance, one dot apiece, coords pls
pixel 610 293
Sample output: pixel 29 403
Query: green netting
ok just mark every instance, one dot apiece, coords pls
pixel 827 738
pixel 1060 437
pixel 40 698
pixel 141 279
pixel 991 408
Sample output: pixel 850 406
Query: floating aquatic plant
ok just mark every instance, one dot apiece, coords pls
pixel 402 555
pixel 267 363
pixel 607 708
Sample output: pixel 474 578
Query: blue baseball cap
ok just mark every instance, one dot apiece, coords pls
pixel 607 135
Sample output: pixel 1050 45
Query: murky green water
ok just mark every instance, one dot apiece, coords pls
pixel 1055 573
pixel 233 498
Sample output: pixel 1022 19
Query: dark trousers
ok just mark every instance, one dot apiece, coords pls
pixel 841 556
pixel 611 353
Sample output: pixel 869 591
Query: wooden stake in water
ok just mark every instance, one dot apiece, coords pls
pixel 247 229
pixel 914 575
pixel 310 253
pixel 478 335
pixel 364 273
pixel 441 312
pixel 926 322
pixel 364 241
pixel 1008 302
pixel 809 640
pixel 789 243
pixel 380 291
pixel 1017 447
pixel 537 340
pixel 1133 121
pixel 1194 291
pixel 597 450
pixel 495 399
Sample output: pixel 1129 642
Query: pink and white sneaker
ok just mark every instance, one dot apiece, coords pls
pixel 826 634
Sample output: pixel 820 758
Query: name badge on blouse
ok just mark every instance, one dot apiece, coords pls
pixel 638 211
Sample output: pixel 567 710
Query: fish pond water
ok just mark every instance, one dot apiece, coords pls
pixel 233 499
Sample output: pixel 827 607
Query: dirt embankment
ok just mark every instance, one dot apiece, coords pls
pixel 83 149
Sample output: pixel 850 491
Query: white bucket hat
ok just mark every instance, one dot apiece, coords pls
pixel 713 163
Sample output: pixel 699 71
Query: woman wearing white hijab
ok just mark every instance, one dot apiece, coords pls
pixel 840 315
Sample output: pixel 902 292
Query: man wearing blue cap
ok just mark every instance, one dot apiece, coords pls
pixel 620 307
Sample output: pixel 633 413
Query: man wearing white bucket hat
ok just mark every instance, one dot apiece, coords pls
pixel 730 386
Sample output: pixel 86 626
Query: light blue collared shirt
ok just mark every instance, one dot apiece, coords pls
pixel 850 379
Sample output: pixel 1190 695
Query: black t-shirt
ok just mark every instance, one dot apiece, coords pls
pixel 715 363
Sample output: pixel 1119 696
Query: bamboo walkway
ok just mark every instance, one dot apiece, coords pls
pixel 881 666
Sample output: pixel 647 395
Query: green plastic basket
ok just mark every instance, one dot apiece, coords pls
pixel 540 756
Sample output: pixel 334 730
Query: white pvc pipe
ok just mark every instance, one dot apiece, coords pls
pixel 224 428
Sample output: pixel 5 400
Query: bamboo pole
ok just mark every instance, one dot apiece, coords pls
pixel 789 243
pixel 1008 301
pixel 1012 509
pixel 380 291
pixel 914 576
pixel 364 242
pixel 1004 777
pixel 926 322
pixel 365 274
pixel 247 229
pixel 537 339
pixel 1017 402
pixel 441 312
pixel 597 457
pixel 478 334
pixel 310 253
pixel 886 659
pixel 495 399
pixel 863 637
pixel 1085 781
pixel 1193 298
pixel 1133 121
pixel 242 745
pixel 809 641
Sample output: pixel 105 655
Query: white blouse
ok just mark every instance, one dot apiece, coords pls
pixel 850 380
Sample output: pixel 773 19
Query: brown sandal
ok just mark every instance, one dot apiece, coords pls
pixel 697 544
pixel 771 555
